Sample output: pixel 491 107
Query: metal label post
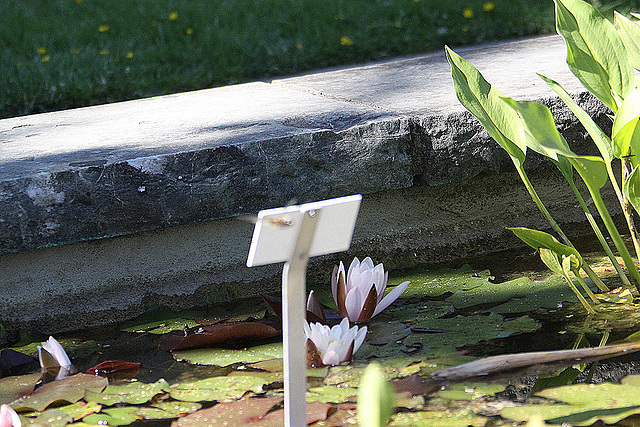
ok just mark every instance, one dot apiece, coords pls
pixel 292 235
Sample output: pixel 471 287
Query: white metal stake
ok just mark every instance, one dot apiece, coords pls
pixel 292 235
pixel 293 315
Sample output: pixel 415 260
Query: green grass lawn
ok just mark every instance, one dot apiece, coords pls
pixel 70 53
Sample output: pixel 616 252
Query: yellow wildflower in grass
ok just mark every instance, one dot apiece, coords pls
pixel 467 13
pixel 346 41
pixel 103 28
pixel 189 31
pixel 173 16
pixel 75 51
pixel 488 6
pixel 299 46
pixel 41 50
pixel 129 55
pixel 79 1
pixel 104 52
pixel 45 58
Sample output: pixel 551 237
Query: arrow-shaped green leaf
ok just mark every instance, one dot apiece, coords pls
pixel 485 102
pixel 595 52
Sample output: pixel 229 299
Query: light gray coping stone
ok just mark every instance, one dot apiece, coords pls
pixel 164 173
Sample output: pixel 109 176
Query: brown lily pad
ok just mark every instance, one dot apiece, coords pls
pixel 219 333
pixel 115 369
pixel 70 390
pixel 251 412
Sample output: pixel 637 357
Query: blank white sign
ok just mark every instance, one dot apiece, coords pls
pixel 277 230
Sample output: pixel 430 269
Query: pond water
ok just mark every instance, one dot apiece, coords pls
pixel 447 316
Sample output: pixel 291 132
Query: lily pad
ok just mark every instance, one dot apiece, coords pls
pixel 74 348
pixel 52 417
pixel 469 391
pixel 80 409
pixel 113 417
pixel 168 409
pixel 12 388
pixel 225 357
pixel 412 312
pixel 380 333
pixel 217 388
pixel 437 282
pixel 162 320
pixel 219 333
pixel 458 418
pixel 332 394
pixel 529 295
pixel 133 393
pixel 582 404
pixel 249 412
pixel 463 330
pixel 238 413
pixel 70 390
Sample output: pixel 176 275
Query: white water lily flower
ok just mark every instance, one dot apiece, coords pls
pixel 53 357
pixel 9 417
pixel 336 344
pixel 359 293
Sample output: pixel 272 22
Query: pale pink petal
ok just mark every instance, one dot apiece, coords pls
pixel 9 417
pixel 331 358
pixel 391 297
pixel 55 349
pixel 353 303
pixel 344 324
pixel 367 262
pixel 334 280
pixel 314 306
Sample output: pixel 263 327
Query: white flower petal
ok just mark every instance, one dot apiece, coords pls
pixel 353 304
pixel 331 358
pixel 334 281
pixel 360 336
pixel 391 297
pixel 55 349
pixel 367 262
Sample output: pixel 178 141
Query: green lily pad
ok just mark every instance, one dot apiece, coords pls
pixel 406 400
pixel 225 357
pixel 463 330
pixel 332 394
pixel 12 388
pixel 276 365
pixel 529 295
pixel 469 391
pixel 380 333
pixel 367 350
pixel 80 409
pixel 113 417
pixel 73 347
pixel 134 393
pixel 437 282
pixel 429 366
pixel 70 390
pixel 217 388
pixel 408 313
pixel 168 409
pixel 631 380
pixel 52 417
pixel 583 404
pixel 162 320
pixel 457 418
